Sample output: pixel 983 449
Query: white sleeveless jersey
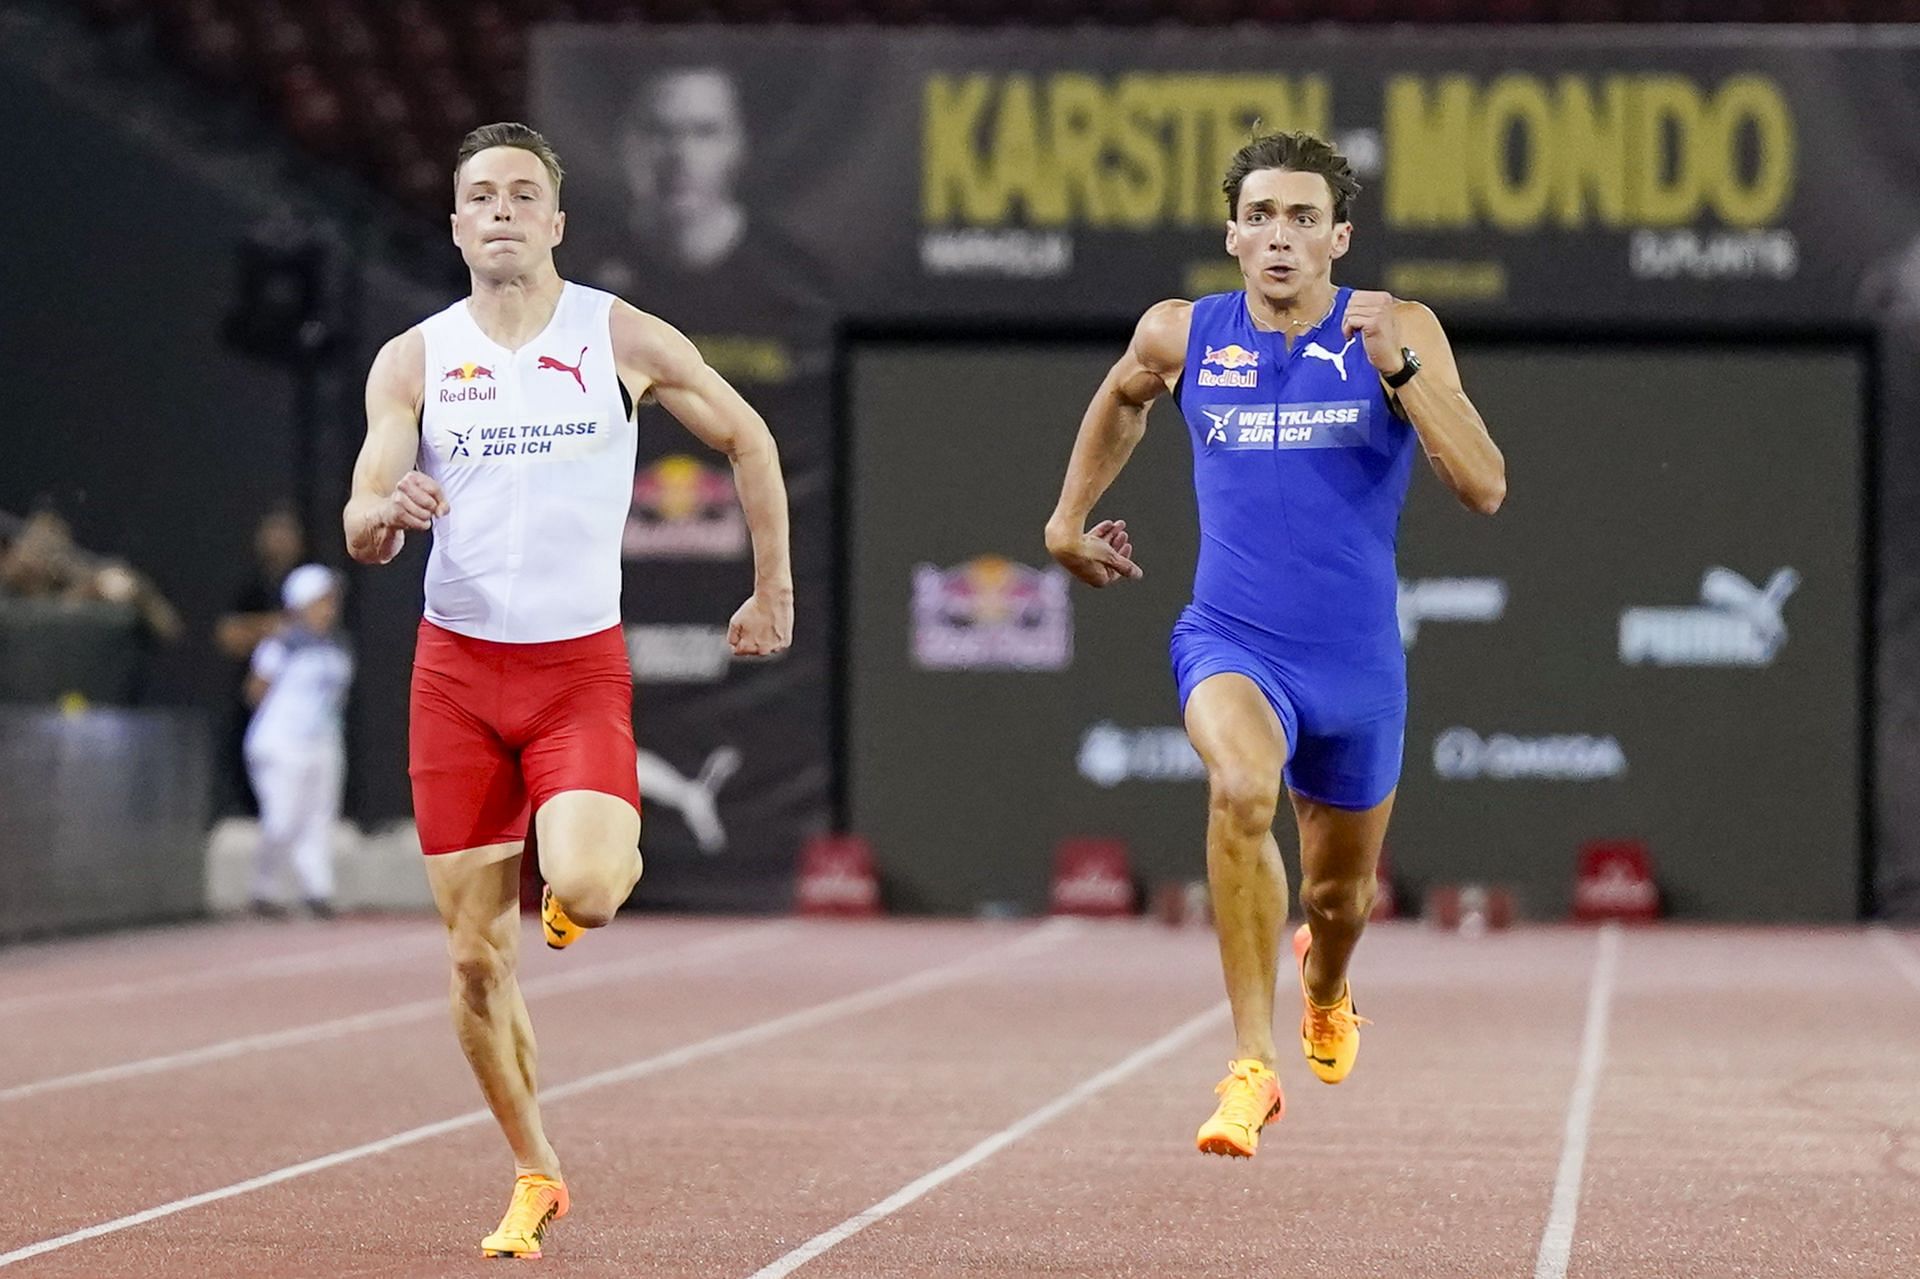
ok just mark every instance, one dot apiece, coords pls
pixel 535 450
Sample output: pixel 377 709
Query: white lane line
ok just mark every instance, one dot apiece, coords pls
pixel 220 974
pixel 727 944
pixel 1904 961
pixel 802 1019
pixel 991 1146
pixel 1556 1244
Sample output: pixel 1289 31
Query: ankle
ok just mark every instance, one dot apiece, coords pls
pixel 1327 1005
pixel 1317 983
pixel 549 1167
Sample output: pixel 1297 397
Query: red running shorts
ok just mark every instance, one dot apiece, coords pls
pixel 496 730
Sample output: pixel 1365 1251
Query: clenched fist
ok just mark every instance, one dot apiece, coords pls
pixel 1375 317
pixel 414 503
pixel 763 626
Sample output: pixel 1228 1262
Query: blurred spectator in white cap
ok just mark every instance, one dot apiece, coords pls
pixel 296 753
pixel 279 546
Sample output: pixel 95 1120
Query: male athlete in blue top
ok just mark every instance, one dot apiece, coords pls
pixel 1304 403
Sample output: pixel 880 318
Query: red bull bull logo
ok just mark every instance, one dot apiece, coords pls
pixel 991 613
pixel 1234 366
pixel 465 375
pixel 1231 356
pixel 684 509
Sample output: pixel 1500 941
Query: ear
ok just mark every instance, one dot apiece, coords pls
pixel 1233 238
pixel 1342 238
pixel 559 226
pixel 453 227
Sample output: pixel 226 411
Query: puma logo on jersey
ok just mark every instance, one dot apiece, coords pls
pixel 1336 358
pixel 549 362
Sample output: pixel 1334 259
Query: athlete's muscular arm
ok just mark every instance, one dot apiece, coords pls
pixel 389 496
pixel 653 355
pixel 1112 425
pixel 1455 439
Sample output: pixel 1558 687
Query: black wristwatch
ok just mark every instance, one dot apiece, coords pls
pixel 1407 370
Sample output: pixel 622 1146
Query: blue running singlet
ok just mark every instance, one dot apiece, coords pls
pixel 1300 469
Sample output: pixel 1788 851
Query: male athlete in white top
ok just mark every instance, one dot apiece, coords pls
pixel 504 424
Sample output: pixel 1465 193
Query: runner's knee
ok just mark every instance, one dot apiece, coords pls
pixel 481 965
pixel 1244 796
pixel 1341 903
pixel 591 889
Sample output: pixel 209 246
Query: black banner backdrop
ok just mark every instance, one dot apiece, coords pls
pixel 1579 176
pixel 759 187
pixel 1658 638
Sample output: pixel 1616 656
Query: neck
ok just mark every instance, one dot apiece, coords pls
pixel 512 311
pixel 1302 311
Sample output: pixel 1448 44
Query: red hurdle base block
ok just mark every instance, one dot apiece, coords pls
pixel 1614 879
pixel 836 877
pixel 1091 877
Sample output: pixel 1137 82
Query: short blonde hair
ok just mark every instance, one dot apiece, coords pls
pixel 508 133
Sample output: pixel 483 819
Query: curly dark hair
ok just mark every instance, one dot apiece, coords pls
pixel 1300 152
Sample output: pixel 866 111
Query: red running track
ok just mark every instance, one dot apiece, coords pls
pixel 749 1099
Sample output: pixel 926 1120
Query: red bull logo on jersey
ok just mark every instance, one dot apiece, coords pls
pixel 684 509
pixel 991 613
pixel 1235 366
pixel 1231 356
pixel 466 375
